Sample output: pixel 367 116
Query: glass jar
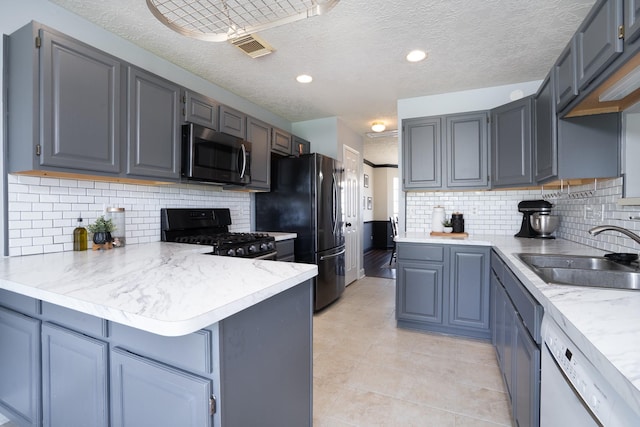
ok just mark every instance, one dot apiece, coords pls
pixel 117 216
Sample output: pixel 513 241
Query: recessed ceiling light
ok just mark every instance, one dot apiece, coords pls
pixel 416 55
pixel 378 126
pixel 304 78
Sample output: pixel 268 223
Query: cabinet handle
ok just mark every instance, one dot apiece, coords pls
pixel 212 405
pixel 621 32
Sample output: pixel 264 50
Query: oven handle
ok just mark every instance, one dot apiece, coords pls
pixel 269 256
pixel 322 258
pixel 244 160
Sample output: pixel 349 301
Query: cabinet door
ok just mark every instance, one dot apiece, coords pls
pixel 469 287
pixel 301 146
pixel 154 126
pixel 20 367
pixel 148 393
pixel 281 142
pixel 546 130
pixel 422 153
pixel 526 397
pixel 420 292
pixel 511 143
pixel 74 369
pixel 632 20
pixel 566 76
pixel 467 145
pixel 201 110
pixel 81 106
pixel 233 122
pixel 597 40
pixel 259 135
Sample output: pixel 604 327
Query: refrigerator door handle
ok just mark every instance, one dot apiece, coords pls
pixel 335 199
pixel 322 258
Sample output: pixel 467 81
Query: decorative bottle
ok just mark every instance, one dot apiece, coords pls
pixel 79 237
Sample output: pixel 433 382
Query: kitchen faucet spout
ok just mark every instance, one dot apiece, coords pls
pixel 599 229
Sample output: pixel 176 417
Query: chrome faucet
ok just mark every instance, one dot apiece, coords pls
pixel 599 229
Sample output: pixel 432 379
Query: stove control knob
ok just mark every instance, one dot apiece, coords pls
pixel 252 249
pixel 263 247
pixel 271 246
pixel 240 251
pixel 231 252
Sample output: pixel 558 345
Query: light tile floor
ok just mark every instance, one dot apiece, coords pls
pixel 367 372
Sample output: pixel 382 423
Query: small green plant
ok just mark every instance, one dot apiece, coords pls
pixel 102 225
pixel 447 223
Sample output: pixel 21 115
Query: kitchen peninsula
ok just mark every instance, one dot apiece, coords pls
pixel 602 323
pixel 155 334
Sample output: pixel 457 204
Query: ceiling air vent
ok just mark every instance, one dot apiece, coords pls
pixel 252 45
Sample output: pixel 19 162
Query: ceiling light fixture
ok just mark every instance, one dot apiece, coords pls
pixel 378 126
pixel 304 78
pixel 416 55
pixel 222 20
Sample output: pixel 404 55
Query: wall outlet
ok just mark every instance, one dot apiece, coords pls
pixel 594 213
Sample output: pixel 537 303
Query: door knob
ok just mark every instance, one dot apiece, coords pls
pixel 348 224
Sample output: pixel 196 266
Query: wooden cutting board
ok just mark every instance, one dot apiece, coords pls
pixel 450 235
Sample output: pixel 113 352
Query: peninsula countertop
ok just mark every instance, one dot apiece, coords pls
pixel 168 289
pixel 603 323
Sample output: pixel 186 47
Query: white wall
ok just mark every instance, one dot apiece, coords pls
pixel 323 134
pixel 383 193
pixel 368 214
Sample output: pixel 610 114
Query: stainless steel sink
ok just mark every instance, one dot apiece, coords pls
pixel 580 270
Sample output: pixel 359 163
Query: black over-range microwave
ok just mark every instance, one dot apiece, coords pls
pixel 211 156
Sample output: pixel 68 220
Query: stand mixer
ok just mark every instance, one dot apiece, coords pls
pixel 537 213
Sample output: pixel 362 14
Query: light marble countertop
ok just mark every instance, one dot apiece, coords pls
pixel 280 235
pixel 603 323
pixel 165 288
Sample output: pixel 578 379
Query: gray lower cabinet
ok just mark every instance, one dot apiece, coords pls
pixel 201 110
pixel 443 288
pixel 74 369
pixel 60 367
pixel 281 142
pixel 153 134
pixel 146 392
pixel 286 250
pixel 446 152
pixel 259 135
pixel 515 328
pixel 65 110
pixel 597 40
pixel 512 143
pixel 20 369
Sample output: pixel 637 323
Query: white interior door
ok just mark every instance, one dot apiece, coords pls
pixel 351 212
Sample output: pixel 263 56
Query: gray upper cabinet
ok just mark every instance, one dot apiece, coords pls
pixel 233 122
pixel 201 110
pixel 422 153
pixel 545 131
pixel 64 106
pixel 259 135
pixel 598 40
pixel 300 146
pixel 511 144
pixel 632 20
pixel 153 126
pixel 467 145
pixel 281 142
pixel 566 76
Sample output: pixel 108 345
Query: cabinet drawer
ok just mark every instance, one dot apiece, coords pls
pixel 527 306
pixel 21 303
pixel 75 320
pixel 191 352
pixel 420 252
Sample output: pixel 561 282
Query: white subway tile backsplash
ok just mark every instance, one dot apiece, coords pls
pixel 43 211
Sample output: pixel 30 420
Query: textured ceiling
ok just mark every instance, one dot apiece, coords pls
pixel 356 52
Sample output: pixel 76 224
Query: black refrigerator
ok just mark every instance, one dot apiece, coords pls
pixel 306 198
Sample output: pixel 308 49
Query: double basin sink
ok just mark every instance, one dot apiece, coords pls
pixel 581 270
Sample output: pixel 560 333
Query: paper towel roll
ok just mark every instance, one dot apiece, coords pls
pixel 437 218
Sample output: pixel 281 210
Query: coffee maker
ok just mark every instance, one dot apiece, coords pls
pixel 528 208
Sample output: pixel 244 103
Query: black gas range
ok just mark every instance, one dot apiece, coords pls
pixel 210 226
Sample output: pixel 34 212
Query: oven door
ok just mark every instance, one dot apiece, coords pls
pixel 211 156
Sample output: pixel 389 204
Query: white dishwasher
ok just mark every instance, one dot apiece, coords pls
pixel 572 391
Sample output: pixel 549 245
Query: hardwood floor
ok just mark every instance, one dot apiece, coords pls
pixel 376 264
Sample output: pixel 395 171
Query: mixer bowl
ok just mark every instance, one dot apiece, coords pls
pixel 544 224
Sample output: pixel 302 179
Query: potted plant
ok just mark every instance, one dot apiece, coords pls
pixel 101 230
pixel 448 227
